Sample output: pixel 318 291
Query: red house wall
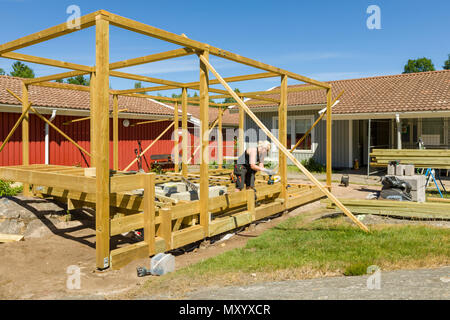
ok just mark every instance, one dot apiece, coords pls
pixel 63 152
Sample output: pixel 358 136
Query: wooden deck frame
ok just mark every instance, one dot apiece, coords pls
pixel 103 189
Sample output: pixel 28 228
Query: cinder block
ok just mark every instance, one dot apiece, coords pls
pixel 391 170
pixel 418 196
pixel 409 170
pixel 173 187
pixel 216 191
pixel 400 170
pixel 186 196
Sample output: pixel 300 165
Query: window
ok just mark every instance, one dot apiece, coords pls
pixel 297 126
pixel 433 131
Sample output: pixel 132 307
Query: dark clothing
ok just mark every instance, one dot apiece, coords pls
pixel 245 175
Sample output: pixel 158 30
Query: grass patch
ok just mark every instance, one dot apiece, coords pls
pixel 298 249
pixel 7 191
pixel 435 194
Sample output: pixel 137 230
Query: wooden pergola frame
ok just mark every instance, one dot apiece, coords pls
pixel 100 92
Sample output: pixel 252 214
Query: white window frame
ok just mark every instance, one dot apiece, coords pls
pixel 293 118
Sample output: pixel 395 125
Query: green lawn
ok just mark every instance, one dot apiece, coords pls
pixel 326 246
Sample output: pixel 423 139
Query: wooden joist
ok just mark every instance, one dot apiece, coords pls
pixel 426 158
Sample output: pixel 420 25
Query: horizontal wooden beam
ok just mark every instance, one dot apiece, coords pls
pixel 143 78
pixel 152 58
pixel 49 179
pixel 47 34
pixel 186 42
pixel 55 77
pixel 45 61
pixel 58 85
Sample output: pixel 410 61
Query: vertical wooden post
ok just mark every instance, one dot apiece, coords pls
pixel 241 140
pixel 149 212
pixel 251 203
pixel 92 113
pixel 282 137
pixel 101 146
pixel 175 136
pixel 166 226
pixel 204 136
pixel 220 140
pixel 184 127
pixel 329 150
pixel 116 131
pixel 25 136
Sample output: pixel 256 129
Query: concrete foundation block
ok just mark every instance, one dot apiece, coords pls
pixel 409 170
pixel 186 196
pixel 173 187
pixel 391 170
pixel 400 170
pixel 418 196
pixel 217 191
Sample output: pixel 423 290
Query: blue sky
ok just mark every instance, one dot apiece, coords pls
pixel 325 40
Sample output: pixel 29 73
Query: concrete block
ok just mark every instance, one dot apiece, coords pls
pixel 186 196
pixel 418 196
pixel 416 181
pixel 216 191
pixel 391 170
pixel 173 187
pixel 400 170
pixel 409 170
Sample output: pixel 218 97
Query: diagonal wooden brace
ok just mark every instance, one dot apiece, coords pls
pixel 148 148
pixel 283 148
pixel 315 123
pixel 16 125
pixel 50 124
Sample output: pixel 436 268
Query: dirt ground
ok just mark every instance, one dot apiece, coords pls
pixel 37 268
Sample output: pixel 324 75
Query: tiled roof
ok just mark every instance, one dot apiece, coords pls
pixel 73 99
pixel 413 92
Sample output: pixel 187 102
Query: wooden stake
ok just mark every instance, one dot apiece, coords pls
pixel 283 148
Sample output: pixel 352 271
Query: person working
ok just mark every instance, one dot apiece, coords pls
pixel 251 161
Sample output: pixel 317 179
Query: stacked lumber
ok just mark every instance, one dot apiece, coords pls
pixel 426 210
pixel 438 159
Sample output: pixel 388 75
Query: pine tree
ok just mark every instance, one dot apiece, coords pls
pixel 21 70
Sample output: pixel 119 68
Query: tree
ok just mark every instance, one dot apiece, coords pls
pixel 230 99
pixel 21 70
pixel 59 80
pixel 2 72
pixel 80 80
pixel 447 64
pixel 138 85
pixel 419 65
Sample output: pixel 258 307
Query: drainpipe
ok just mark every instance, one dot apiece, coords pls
pixel 47 137
pixel 399 131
